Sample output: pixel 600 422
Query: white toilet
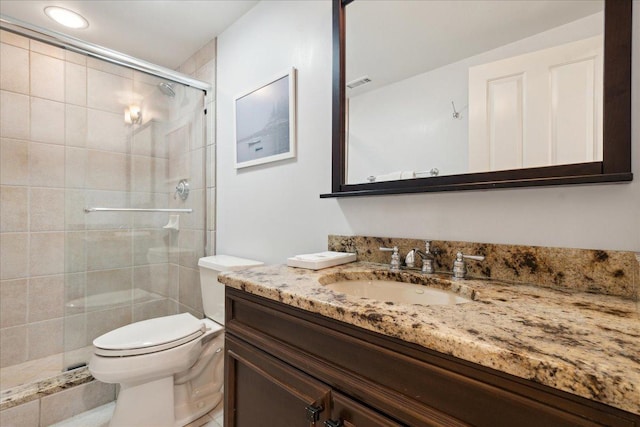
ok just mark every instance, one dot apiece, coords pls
pixel 170 369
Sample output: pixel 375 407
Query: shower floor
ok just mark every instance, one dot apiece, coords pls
pixel 37 370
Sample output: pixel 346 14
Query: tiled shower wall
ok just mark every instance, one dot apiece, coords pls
pixel 64 146
pixel 202 66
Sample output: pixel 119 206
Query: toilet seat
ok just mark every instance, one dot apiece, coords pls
pixel 149 336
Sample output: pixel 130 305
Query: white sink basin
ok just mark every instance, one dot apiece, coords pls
pixel 397 292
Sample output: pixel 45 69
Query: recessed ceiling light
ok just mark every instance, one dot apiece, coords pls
pixel 66 17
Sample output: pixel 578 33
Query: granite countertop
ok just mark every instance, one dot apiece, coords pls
pixel 581 343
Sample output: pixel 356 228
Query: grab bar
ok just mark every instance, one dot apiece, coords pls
pixel 89 210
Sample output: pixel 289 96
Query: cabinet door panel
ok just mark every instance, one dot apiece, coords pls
pixel 261 391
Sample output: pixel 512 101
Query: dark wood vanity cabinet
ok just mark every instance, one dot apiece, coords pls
pixel 289 367
pixel 268 392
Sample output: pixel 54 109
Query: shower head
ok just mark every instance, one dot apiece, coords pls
pixel 167 89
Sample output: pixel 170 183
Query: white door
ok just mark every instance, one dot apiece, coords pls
pixel 538 109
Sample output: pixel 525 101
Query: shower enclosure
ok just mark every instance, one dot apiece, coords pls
pixel 104 204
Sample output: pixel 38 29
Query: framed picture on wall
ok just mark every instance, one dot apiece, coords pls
pixel 265 122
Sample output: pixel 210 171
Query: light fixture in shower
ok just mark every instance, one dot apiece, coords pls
pixel 66 17
pixel 132 115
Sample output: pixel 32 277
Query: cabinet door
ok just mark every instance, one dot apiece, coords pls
pixel 348 413
pixel 262 391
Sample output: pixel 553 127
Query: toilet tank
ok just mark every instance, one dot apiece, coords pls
pixel 212 290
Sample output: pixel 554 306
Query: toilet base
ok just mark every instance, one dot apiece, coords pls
pixel 148 404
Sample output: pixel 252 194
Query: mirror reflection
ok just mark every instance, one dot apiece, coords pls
pixel 510 85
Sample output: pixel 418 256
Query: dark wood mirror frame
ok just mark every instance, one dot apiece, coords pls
pixel 616 163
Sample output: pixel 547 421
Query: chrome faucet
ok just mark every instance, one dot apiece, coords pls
pixel 459 266
pixel 395 258
pixel 427 258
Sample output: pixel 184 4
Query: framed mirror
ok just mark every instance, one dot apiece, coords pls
pixel 441 95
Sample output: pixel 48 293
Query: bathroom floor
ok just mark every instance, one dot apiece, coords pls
pixel 100 416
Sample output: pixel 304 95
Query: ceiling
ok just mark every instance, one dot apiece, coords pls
pixel 162 32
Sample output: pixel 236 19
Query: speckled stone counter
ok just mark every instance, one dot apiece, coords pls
pixel 583 343
pixel 32 391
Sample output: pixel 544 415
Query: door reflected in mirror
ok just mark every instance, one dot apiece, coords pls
pixel 512 85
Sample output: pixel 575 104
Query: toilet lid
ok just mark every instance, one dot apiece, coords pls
pixel 149 336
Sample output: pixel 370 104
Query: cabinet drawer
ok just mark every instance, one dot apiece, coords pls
pixel 417 386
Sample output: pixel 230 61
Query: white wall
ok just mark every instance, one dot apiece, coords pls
pixel 273 211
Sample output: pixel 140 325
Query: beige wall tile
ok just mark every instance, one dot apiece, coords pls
pixel 46 165
pixel 141 173
pixel 107 131
pixel 13 302
pixel 14 205
pixel 13 345
pixel 65 404
pixel 75 259
pixel 155 278
pixel 14 39
pixel 206 54
pixel 15 255
pixel 101 322
pixel 74 215
pixel 75 58
pixel 14 115
pixel 211 166
pixel 108 92
pixel 75 126
pixel 191 247
pixel 75 287
pixel 75 167
pixel 211 209
pixel 145 247
pixel 107 171
pixel 107 67
pixel 46 49
pixel 46 209
pixel 14 162
pixel 46 253
pixel 75 91
pixel 142 140
pixel 14 72
pixel 104 281
pixel 108 249
pixel 45 338
pixel 190 293
pixel 25 415
pixel 75 332
pixel 150 219
pixel 197 168
pixel 109 220
pixel 47 77
pixel 189 66
pixel 46 298
pixel 47 121
pixel 207 72
pixel 153 309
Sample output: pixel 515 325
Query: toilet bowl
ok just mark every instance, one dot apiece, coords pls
pixel 170 369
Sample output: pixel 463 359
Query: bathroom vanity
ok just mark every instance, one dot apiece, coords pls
pixel 298 353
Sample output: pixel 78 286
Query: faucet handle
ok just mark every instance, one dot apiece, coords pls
pixel 459 266
pixel 395 258
pixel 473 257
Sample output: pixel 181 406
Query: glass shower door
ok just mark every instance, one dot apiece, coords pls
pixel 134 139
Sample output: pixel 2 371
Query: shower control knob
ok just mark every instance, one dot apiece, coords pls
pixel 182 189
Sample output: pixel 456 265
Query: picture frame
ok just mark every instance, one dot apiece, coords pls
pixel 265 122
